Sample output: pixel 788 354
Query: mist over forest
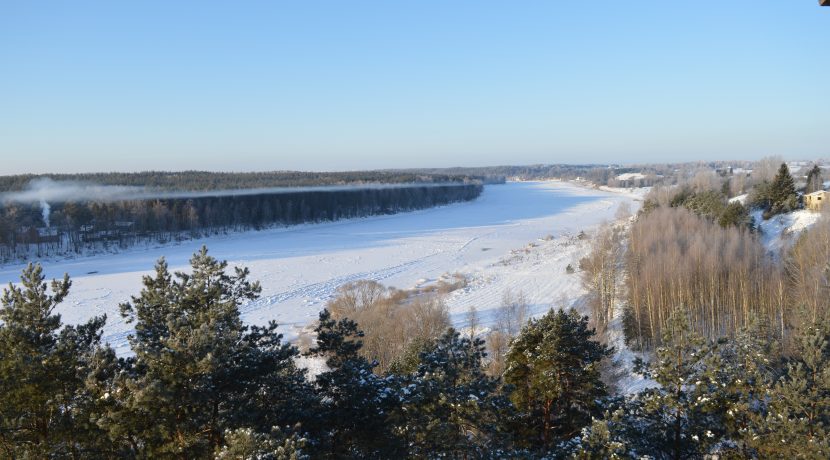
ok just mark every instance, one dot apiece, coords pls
pixel 48 217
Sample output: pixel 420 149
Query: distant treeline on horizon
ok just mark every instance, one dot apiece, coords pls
pixel 206 180
pixel 601 174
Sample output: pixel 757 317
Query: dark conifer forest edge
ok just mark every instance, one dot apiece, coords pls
pixel 78 226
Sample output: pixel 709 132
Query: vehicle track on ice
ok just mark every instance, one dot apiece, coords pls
pixel 325 290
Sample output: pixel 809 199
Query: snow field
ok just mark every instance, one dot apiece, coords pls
pixel 499 242
pixel 781 231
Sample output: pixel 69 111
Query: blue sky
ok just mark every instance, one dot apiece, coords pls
pixel 333 85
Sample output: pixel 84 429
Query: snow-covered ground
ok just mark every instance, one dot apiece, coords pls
pixel 781 231
pixel 498 241
pixel 739 199
pixel 631 176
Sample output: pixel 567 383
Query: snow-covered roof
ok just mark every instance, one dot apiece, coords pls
pixel 631 176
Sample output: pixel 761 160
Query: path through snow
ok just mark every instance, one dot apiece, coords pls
pixel 497 241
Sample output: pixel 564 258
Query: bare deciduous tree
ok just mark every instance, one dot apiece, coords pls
pixel 600 273
pixel 391 320
pixel 721 276
pixel 512 315
pixel 806 267
pixel 472 321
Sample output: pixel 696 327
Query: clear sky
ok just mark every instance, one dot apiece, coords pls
pixel 349 84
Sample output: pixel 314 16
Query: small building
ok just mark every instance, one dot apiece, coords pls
pixel 635 179
pixel 48 235
pixel 814 201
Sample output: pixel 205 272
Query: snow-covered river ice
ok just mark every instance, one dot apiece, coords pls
pixel 518 236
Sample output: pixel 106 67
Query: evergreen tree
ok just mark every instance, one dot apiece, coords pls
pixel 681 414
pixel 553 367
pixel 357 406
pixel 726 188
pixel 44 406
pixel 245 443
pixel 814 180
pixel 782 194
pixel 197 370
pixel 737 215
pixel 679 418
pixel 797 422
pixel 600 441
pixel 451 407
pixel 709 204
pixel 709 401
pixel 410 359
pixel 743 372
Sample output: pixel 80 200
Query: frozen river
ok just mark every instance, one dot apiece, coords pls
pixel 497 241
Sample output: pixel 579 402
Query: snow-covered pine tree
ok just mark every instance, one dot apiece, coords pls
pixel 197 370
pixel 797 423
pixel 740 372
pixel 451 407
pixel 678 419
pixel 245 443
pixel 358 407
pixel 45 410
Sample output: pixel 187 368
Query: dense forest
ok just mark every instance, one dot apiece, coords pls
pixel 201 384
pixel 86 225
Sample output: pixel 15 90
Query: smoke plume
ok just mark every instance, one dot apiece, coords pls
pixel 45 210
pixel 45 191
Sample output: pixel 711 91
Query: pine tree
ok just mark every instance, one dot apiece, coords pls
pixel 553 367
pixel 797 422
pixel 600 441
pixel 357 406
pixel 737 215
pixel 782 194
pixel 744 369
pixel 44 405
pixel 410 359
pixel 451 407
pixel 814 180
pixel 679 418
pixel 197 370
pixel 245 443
pixel 681 415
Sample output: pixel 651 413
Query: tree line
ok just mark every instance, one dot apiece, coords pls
pixel 201 384
pixel 80 226
pixel 206 180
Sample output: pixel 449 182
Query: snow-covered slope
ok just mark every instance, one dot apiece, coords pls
pixel 498 241
pixel 780 231
pixel 739 199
